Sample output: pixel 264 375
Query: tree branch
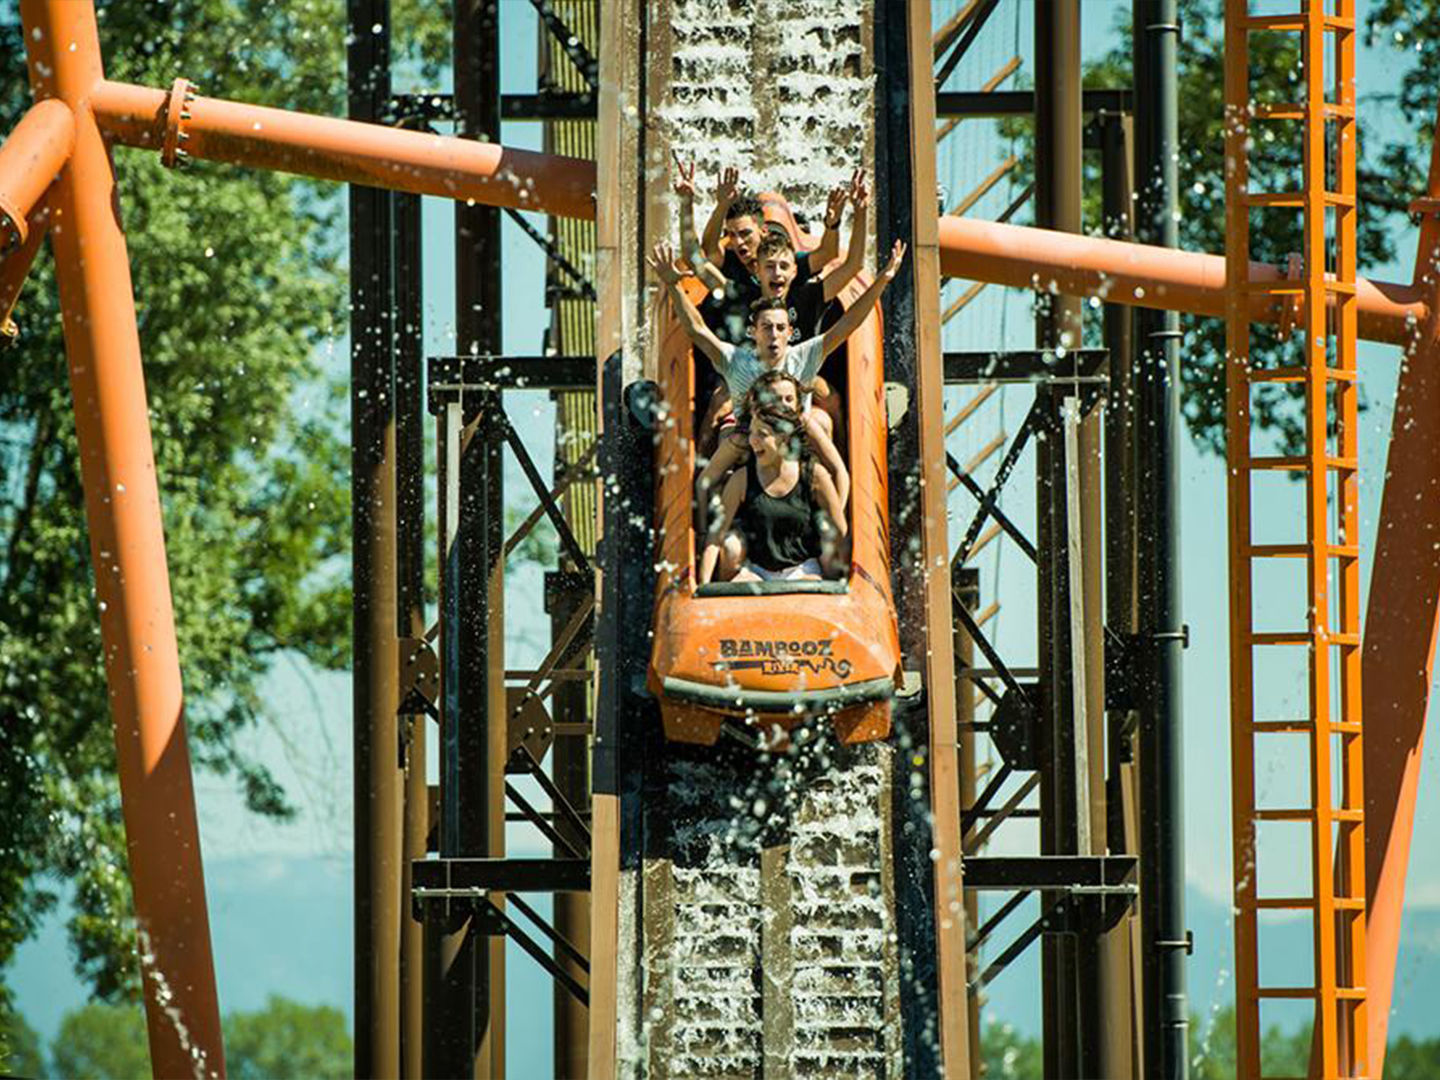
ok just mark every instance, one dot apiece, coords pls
pixel 35 467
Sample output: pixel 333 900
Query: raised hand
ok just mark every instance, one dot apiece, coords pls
pixel 897 256
pixel 859 190
pixel 835 205
pixel 662 260
pixel 728 187
pixel 684 182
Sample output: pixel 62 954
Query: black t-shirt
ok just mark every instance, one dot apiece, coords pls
pixel 780 531
pixel 807 307
pixel 727 312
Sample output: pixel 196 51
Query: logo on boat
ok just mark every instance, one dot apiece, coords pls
pixel 779 657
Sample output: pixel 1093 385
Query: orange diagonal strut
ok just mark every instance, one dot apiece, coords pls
pixel 30 158
pixel 1400 625
pixel 127 546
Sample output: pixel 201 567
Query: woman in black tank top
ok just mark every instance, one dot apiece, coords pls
pixel 780 513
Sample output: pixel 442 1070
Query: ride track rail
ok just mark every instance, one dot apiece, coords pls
pixel 730 864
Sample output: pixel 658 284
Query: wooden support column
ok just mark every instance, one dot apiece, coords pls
pixel 907 189
pixel 616 273
pixel 378 773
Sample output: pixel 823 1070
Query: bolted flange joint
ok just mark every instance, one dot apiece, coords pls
pixel 13 228
pixel 177 118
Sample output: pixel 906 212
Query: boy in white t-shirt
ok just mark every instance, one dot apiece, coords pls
pixel 741 365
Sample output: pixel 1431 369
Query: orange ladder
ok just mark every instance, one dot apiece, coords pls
pixel 1321 299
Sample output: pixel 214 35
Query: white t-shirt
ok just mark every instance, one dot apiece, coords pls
pixel 742 366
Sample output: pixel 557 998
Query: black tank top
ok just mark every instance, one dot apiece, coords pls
pixel 780 530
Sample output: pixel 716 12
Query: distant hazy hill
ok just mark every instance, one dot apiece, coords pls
pixel 284 925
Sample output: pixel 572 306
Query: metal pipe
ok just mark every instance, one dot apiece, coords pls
pixel 1067 980
pixel 30 159
pixel 570 769
pixel 577 417
pixel 378 773
pixel 349 151
pixel 621 51
pixel 127 547
pixel 1400 629
pixel 410 600
pixel 906 187
pixel 481 740
pixel 1141 275
pixel 1162 837
pixel 967 586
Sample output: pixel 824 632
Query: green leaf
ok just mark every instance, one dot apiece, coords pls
pixel 240 300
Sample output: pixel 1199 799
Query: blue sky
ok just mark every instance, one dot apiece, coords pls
pixel 280 895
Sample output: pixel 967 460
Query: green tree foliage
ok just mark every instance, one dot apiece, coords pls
pixel 288 1040
pixel 239 287
pixel 1008 1055
pixel 1412 1059
pixel 1412 30
pixel 283 1041
pixel 1276 76
pixel 20 1052
pixel 101 1042
pixel 1012 1056
pixel 1212 1046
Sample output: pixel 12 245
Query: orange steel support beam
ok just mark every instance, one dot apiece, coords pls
pixel 1400 627
pixel 30 159
pixel 347 151
pixel 1145 276
pixel 127 544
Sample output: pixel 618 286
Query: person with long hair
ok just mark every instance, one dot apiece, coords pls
pixel 780 516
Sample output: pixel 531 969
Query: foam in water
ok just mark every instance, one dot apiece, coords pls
pixel 769 930
pixel 802 124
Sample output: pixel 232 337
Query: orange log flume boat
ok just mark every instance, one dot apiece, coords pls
pixel 765 657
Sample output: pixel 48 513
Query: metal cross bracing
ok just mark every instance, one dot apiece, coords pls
pixel 513 743
pixel 539 720
pixel 1085 889
pixel 1064 728
pixel 1325 626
